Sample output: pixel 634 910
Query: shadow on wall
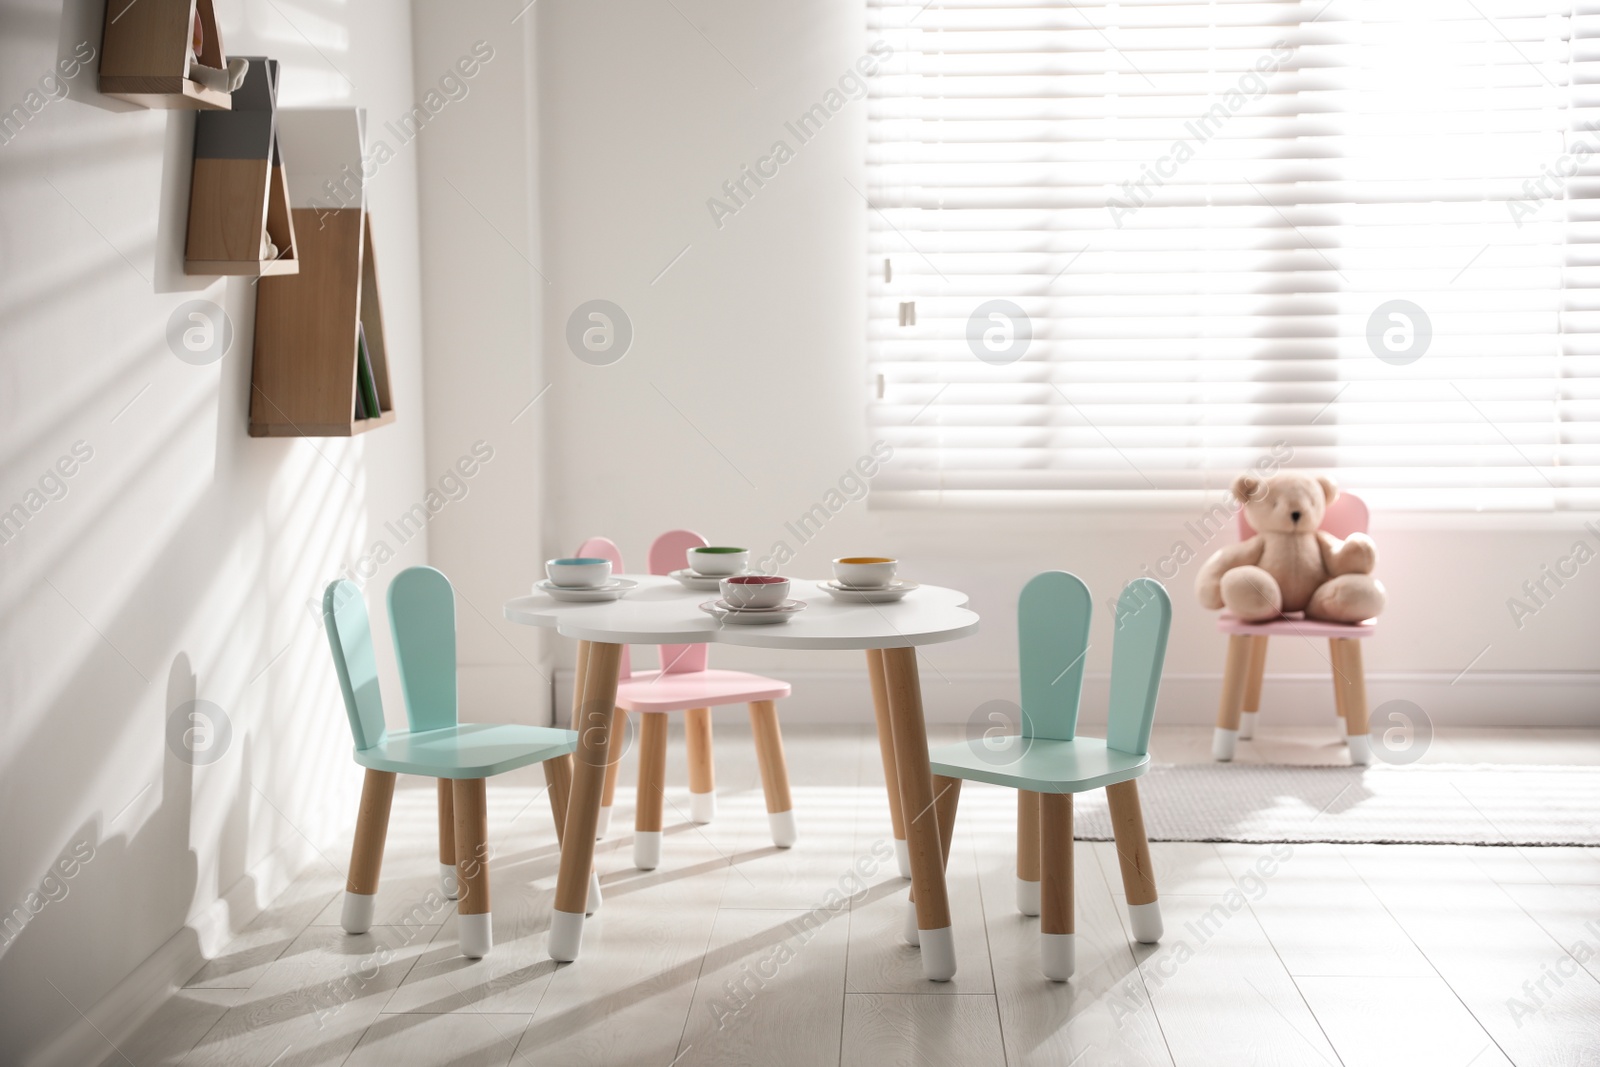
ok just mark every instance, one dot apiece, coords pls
pixel 88 896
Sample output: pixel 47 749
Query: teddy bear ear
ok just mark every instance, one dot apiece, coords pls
pixel 1329 489
pixel 1246 487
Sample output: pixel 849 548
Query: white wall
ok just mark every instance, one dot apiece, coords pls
pixel 742 400
pixel 179 562
pixel 478 177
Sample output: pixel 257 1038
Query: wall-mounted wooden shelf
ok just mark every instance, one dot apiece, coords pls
pixel 239 193
pixel 309 324
pixel 145 56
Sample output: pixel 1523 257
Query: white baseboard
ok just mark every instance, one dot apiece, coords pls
pixel 1481 698
pixel 133 1000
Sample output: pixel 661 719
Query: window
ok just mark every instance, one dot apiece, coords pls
pixel 1355 235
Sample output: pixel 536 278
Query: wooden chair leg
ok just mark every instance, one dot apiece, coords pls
pixel 471 803
pixel 1234 676
pixel 702 769
pixel 880 708
pixel 594 726
pixel 558 783
pixel 614 756
pixel 946 798
pixel 917 796
pixel 1349 677
pixel 447 839
pixel 652 787
pixel 1027 852
pixel 366 852
pixel 774 772
pixel 1338 690
pixel 1133 855
pixel 1057 946
pixel 1252 687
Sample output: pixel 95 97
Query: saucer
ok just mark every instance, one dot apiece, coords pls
pixel 752 616
pixel 615 589
pixel 883 594
pixel 705 583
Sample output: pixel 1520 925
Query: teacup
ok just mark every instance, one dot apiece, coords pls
pixel 719 561
pixel 864 572
pixel 578 572
pixel 755 590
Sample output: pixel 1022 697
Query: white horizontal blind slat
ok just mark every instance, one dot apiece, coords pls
pixel 1199 206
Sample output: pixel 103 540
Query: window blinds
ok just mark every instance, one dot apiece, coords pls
pixel 1356 234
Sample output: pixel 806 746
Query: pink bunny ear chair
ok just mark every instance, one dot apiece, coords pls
pixel 684 683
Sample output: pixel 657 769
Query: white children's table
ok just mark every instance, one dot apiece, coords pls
pixel 660 611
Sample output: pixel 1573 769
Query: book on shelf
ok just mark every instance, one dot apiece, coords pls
pixel 367 406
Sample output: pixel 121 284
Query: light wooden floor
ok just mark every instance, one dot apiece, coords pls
pixel 1354 955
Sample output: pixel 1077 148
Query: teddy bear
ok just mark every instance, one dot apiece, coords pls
pixel 1291 564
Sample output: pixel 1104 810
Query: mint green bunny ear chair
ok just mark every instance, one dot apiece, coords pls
pixel 1047 761
pixel 462 756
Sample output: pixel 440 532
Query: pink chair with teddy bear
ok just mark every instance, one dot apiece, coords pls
pixel 1302 568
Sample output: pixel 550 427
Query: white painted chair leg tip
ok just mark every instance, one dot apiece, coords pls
pixel 475 935
pixel 1223 743
pixel 1027 897
pixel 702 807
pixel 1059 954
pixel 784 831
pixel 647 849
pixel 594 894
pixel 938 954
pixel 1360 749
pixel 604 825
pixel 1247 725
pixel 447 880
pixel 356 917
pixel 1145 919
pixel 566 935
pixel 902 857
pixel 908 930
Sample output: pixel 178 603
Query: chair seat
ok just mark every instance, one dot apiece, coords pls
pixel 1296 625
pixel 470 750
pixel 1037 764
pixel 654 691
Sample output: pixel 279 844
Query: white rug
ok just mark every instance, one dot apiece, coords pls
pixel 1432 804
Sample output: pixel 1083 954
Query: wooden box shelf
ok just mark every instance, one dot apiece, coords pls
pixel 309 324
pixel 239 193
pixel 145 57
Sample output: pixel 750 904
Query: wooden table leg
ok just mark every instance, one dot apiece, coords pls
pixel 1252 687
pixel 447 839
pixel 880 708
pixel 593 723
pixel 1027 852
pixel 1234 677
pixel 916 804
pixel 578 677
pixel 946 797
pixel 558 782
pixel 473 923
pixel 613 764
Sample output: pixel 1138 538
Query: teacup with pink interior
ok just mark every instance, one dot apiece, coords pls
pixel 755 591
